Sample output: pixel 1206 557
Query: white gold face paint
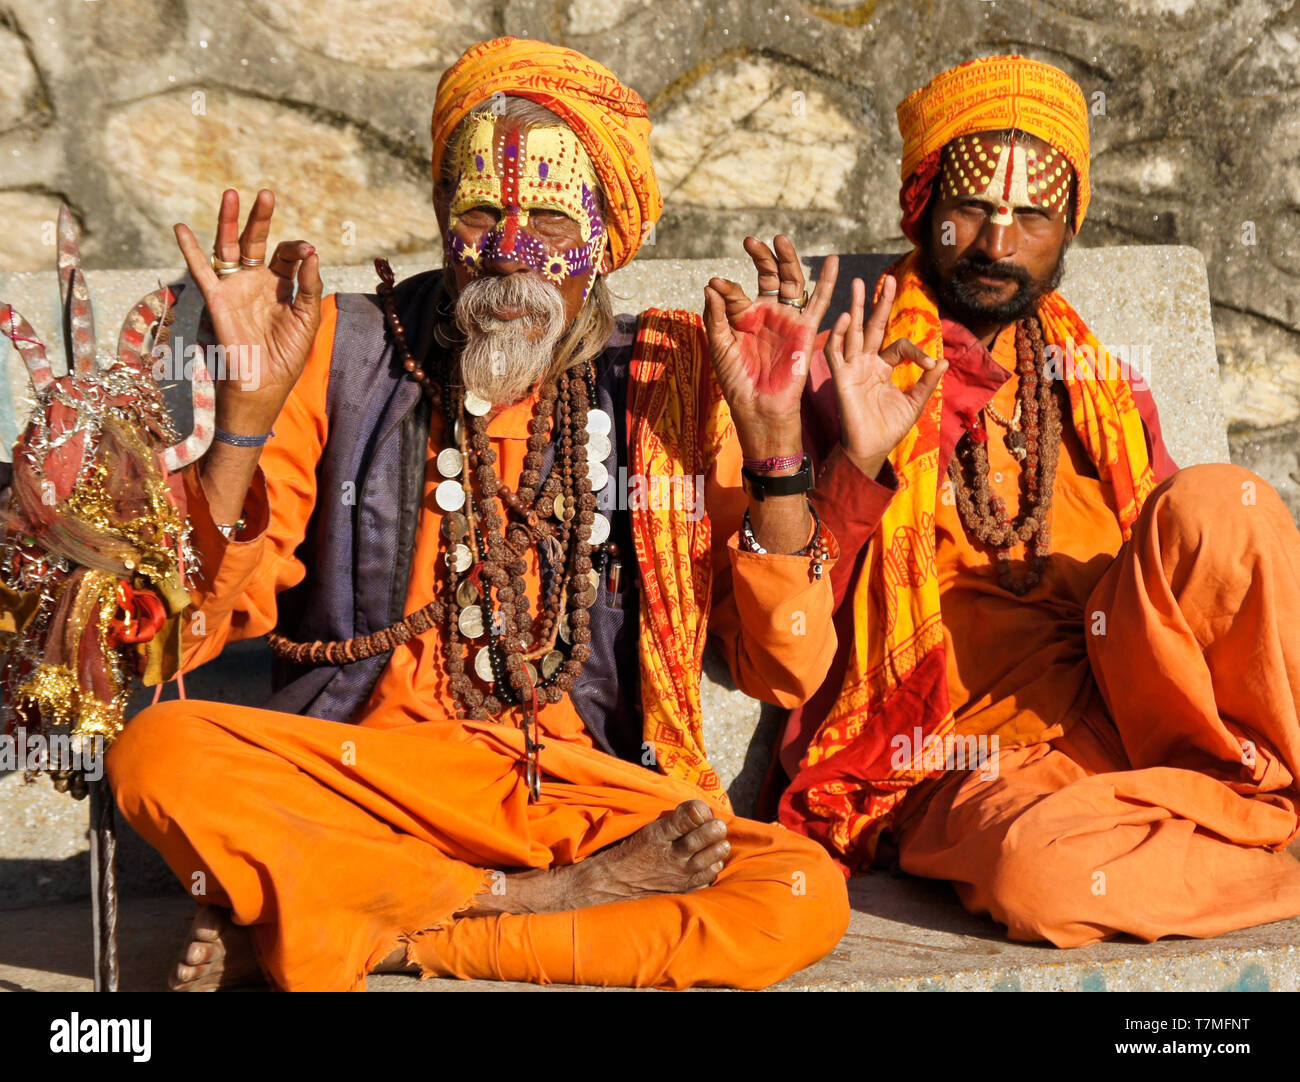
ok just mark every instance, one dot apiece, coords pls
pixel 1007 173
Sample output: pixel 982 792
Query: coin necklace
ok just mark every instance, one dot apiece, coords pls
pixel 487 529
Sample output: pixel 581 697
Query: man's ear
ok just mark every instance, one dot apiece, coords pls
pixel 606 262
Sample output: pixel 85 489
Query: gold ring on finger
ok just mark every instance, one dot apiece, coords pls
pixel 224 266
pixel 800 303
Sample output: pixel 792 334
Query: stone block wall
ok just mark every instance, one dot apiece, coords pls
pixel 770 115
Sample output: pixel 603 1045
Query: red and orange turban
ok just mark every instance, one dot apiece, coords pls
pixel 989 94
pixel 609 118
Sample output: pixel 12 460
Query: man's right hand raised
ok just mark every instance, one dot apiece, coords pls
pixel 875 414
pixel 257 308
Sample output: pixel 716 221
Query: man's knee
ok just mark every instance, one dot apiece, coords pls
pixel 813 914
pixel 1042 886
pixel 1199 501
pixel 156 755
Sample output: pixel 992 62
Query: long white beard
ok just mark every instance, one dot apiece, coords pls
pixel 504 359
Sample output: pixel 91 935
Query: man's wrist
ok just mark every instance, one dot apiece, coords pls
pixel 871 465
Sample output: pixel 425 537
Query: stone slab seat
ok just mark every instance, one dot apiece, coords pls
pixel 1152 301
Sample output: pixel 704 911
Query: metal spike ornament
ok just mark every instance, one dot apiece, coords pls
pixel 94 539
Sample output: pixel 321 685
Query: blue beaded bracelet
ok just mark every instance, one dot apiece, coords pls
pixel 236 440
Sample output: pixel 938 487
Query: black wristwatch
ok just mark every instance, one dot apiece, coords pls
pixel 761 486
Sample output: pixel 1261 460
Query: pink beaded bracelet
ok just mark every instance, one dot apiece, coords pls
pixel 771 465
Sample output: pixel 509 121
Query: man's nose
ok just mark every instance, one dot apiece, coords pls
pixel 996 242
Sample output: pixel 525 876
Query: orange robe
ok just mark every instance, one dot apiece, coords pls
pixel 333 841
pixel 1143 699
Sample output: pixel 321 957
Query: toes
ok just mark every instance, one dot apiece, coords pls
pixel 704 878
pixel 207 924
pixel 702 837
pixel 199 953
pixel 706 858
pixel 689 815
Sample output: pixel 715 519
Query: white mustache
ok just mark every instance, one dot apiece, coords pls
pixel 503 359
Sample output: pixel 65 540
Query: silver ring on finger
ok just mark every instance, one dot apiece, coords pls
pixel 796 302
pixel 245 261
pixel 769 292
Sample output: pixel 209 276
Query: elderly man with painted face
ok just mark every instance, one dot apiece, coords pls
pixel 435 531
pixel 1067 672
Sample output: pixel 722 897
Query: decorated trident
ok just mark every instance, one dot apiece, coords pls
pixel 95 550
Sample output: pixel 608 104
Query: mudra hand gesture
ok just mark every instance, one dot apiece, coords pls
pixel 761 348
pixel 257 307
pixel 875 414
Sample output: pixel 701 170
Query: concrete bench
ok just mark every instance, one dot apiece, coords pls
pixel 1153 301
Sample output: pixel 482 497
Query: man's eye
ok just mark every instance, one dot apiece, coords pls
pixel 480 216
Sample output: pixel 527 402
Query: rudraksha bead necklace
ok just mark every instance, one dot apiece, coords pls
pixel 487 530
pixel 1037 445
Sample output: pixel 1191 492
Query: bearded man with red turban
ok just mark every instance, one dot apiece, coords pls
pixel 1067 672
pixel 483 758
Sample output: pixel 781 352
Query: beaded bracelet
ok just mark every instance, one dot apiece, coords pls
pixel 816 547
pixel 236 440
pixel 771 465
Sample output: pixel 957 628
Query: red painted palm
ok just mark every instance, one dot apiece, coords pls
pixel 93 557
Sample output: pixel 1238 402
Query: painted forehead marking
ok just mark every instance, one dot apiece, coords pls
pixel 518 170
pixel 1007 173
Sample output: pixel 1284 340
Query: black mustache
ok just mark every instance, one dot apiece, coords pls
pixel 968 266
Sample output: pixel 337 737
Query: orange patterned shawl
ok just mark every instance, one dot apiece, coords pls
pixel 847 790
pixel 679 420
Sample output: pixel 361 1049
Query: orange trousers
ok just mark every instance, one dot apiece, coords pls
pixel 1166 808
pixel 336 843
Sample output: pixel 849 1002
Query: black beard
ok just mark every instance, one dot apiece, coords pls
pixel 960 300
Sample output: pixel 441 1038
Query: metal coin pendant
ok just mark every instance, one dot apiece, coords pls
pixel 598 475
pixel 564 628
pixel 471 621
pixel 476 405
pixel 450 496
pixel 450 462
pixel 466 593
pixel 483 664
pixel 593 577
pixel 531 669
pixel 599 530
pixel 459 558
pixel 598 447
pixel 599 423
pixel 559 508
pixel 455 526
pixel 551 664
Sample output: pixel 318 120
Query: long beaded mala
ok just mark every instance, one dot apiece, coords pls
pixel 1036 442
pixel 486 531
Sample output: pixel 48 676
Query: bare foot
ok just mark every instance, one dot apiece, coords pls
pixel 682 850
pixel 218 954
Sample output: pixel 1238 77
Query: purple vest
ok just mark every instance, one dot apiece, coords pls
pixel 361 535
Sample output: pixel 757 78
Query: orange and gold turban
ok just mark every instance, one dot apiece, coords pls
pixel 989 94
pixel 609 118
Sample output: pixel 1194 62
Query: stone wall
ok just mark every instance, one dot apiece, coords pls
pixel 769 116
